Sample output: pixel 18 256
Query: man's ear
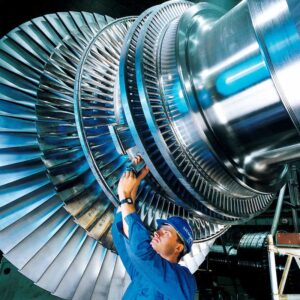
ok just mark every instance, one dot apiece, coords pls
pixel 179 247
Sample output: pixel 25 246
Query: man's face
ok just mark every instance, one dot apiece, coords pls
pixel 165 241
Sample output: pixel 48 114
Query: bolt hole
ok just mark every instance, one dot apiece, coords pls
pixel 6 271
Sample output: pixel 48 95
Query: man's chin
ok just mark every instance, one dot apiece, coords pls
pixel 153 245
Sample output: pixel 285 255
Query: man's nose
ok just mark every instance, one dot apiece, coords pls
pixel 156 233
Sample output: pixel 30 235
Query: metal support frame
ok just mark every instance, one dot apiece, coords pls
pixel 285 274
pixel 277 292
pixel 278 211
pixel 294 194
pixel 294 252
pixel 272 268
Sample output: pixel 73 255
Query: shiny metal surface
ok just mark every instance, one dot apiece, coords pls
pixel 71 146
pixel 132 105
pixel 187 152
pixel 88 154
pixel 208 99
pixel 40 141
pixel 94 106
pixel 277 28
pixel 225 82
pixel 141 101
pixel 35 229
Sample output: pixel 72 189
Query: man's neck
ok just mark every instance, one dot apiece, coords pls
pixel 171 258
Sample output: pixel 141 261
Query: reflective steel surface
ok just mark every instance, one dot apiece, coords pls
pixel 209 99
pixel 235 92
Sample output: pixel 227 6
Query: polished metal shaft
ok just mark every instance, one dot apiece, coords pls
pixel 241 72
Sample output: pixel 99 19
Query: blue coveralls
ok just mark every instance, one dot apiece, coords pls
pixel 152 277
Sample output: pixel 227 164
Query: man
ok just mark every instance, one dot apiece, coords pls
pixel 152 263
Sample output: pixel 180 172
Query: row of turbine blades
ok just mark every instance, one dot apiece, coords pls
pixel 46 179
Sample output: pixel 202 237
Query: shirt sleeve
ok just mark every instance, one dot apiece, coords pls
pixel 119 241
pixel 171 279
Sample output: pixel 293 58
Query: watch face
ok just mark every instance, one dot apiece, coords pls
pixel 126 200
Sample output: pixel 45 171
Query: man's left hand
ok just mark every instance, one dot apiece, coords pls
pixel 129 182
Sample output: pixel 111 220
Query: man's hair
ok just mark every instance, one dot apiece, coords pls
pixel 181 254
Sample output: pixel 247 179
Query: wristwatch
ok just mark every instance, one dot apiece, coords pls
pixel 126 200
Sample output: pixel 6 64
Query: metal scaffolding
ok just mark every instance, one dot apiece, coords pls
pixel 285 243
pixel 291 252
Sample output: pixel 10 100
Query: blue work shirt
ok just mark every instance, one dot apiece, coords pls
pixel 152 277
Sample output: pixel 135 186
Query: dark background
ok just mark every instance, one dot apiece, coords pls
pixel 14 13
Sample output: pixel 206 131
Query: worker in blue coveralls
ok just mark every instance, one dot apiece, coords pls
pixel 151 261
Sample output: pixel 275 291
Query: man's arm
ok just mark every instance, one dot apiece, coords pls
pixel 127 188
pixel 119 242
pixel 127 185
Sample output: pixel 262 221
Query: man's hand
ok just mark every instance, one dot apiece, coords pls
pixel 127 188
pixel 142 174
pixel 129 182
